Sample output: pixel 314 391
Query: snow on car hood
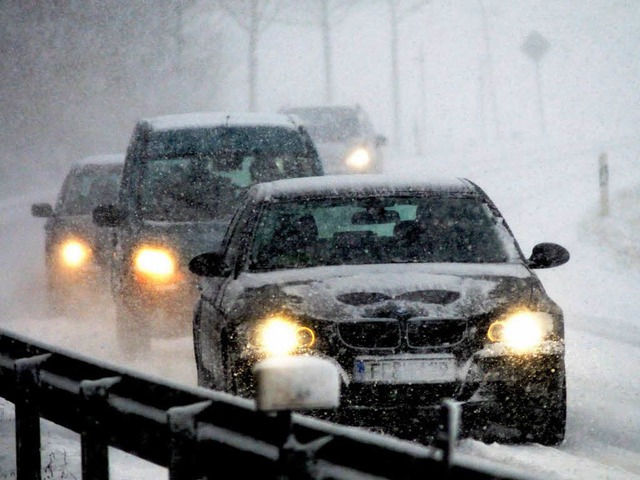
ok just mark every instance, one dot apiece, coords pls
pixel 348 291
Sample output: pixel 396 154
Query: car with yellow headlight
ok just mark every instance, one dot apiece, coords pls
pixel 184 176
pixel 344 136
pixel 76 251
pixel 415 288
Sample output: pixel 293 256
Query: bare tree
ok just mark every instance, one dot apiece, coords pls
pixel 398 11
pixel 255 17
pixel 326 14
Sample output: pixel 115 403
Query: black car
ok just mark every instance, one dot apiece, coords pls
pixel 344 136
pixel 184 176
pixel 416 289
pixel 76 251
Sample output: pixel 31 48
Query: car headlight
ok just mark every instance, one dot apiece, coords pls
pixel 522 331
pixel 155 264
pixel 74 253
pixel 358 159
pixel 278 336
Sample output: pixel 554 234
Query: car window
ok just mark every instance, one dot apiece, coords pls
pixel 86 188
pixel 316 232
pixel 200 174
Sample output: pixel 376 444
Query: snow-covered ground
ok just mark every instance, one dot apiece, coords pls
pixel 546 192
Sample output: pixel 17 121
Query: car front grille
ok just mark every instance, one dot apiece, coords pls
pixel 424 332
pixel 388 332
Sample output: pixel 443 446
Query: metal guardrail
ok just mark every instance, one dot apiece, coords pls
pixel 197 433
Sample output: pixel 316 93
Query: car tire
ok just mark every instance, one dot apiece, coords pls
pixel 204 377
pixel 210 367
pixel 132 332
pixel 545 417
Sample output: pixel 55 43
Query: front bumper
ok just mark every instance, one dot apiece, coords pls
pixel 487 386
pixel 166 308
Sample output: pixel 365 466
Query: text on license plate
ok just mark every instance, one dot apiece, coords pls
pixel 418 369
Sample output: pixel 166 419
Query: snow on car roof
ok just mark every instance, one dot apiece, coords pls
pixel 104 159
pixel 331 185
pixel 323 107
pixel 210 119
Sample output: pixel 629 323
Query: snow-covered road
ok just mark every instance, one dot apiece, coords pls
pixel 545 196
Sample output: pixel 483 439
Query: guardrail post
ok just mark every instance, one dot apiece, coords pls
pixel 184 438
pixel 95 449
pixel 296 461
pixel 447 438
pixel 28 463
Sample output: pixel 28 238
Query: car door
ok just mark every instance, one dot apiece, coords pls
pixel 210 317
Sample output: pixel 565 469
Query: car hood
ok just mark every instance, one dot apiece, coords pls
pixel 74 225
pixel 394 290
pixel 188 239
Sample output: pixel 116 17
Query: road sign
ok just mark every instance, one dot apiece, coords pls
pixel 535 46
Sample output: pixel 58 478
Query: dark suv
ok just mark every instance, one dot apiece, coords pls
pixel 183 178
pixel 344 137
pixel 76 252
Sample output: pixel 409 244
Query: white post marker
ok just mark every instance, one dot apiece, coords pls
pixel 603 173
pixel 296 383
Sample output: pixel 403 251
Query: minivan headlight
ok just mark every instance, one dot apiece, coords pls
pixel 521 331
pixel 157 264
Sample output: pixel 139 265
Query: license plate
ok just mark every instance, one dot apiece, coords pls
pixel 413 369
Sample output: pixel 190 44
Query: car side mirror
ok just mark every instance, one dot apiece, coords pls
pixel 381 140
pixel 210 264
pixel 108 216
pixel 547 255
pixel 42 210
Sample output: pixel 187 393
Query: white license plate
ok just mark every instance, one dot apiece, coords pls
pixel 405 369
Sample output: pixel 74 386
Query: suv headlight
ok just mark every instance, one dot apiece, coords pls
pixel 358 159
pixel 155 264
pixel 278 336
pixel 74 253
pixel 522 331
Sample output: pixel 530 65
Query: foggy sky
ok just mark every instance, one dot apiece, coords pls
pixel 77 75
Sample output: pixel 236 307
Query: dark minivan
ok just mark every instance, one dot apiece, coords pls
pixel 183 177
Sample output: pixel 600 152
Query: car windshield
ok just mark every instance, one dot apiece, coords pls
pixel 200 174
pixel 329 124
pixel 370 230
pixel 86 188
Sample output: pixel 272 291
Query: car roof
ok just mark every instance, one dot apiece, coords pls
pixel 214 119
pixel 104 159
pixel 304 108
pixel 359 184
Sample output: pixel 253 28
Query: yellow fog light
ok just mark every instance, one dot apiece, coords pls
pixel 154 263
pixel 522 331
pixel 359 159
pixel 74 253
pixel 279 336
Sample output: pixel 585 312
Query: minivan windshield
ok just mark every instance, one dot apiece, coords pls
pixel 201 174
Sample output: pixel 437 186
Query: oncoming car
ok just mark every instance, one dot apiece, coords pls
pixel 184 176
pixel 76 251
pixel 416 289
pixel 344 136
